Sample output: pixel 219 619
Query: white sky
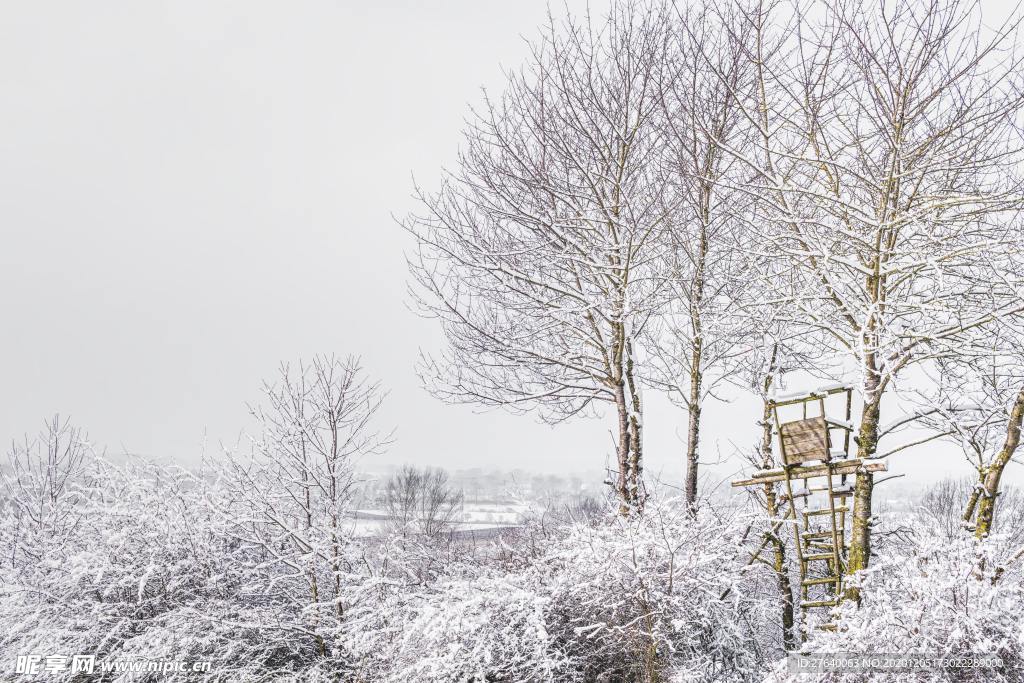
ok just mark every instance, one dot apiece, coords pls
pixel 193 191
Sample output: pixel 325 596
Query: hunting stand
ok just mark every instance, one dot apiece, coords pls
pixel 816 462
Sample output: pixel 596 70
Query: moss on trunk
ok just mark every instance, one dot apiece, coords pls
pixel 994 472
pixel 860 541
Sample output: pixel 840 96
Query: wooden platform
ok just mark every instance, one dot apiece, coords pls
pixel 802 471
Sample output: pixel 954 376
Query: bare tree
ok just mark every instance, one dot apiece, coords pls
pixel 287 500
pixel 42 484
pixel 886 179
pixel 541 255
pixel 699 335
pixel 421 501
pixel 942 503
pixel 400 495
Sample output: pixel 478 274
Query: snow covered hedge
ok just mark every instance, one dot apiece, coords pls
pixel 486 628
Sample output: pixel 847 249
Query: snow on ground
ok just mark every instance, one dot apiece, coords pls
pixel 481 518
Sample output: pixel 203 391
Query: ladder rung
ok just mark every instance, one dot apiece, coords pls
pixel 818 582
pixel 820 603
pixel 825 511
pixel 825 540
pixel 827 627
pixel 837 491
pixel 815 545
pixel 810 535
pixel 820 556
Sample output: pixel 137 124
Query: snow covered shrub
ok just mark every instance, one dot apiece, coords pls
pixel 141 547
pixel 635 598
pixel 483 628
pixel 146 562
pixel 242 642
pixel 42 484
pixel 937 597
pixel 150 571
pixel 600 598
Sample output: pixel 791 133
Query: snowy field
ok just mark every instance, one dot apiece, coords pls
pixel 475 519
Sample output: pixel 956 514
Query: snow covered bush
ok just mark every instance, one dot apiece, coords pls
pixel 610 598
pixel 148 570
pixel 145 565
pixel 938 597
pixel 636 597
pixel 42 485
pixel 484 628
pixel 141 548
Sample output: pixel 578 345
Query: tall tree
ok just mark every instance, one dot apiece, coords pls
pixel 886 175
pixel 699 333
pixel 542 253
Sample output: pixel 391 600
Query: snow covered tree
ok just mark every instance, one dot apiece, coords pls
pixel 287 500
pixel 978 401
pixel 542 253
pixel 764 370
pixel 886 177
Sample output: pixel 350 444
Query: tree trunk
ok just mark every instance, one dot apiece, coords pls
pixel 635 406
pixel 972 501
pixel 623 451
pixel 693 432
pixel 987 500
pixel 628 405
pixel 321 646
pixel 860 541
pixel 696 355
pixel 336 565
pixel 779 563
pixel 781 568
pixel 318 640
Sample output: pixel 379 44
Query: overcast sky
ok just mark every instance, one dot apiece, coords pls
pixel 193 191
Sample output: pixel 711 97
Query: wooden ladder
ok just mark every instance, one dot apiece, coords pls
pixel 817 497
